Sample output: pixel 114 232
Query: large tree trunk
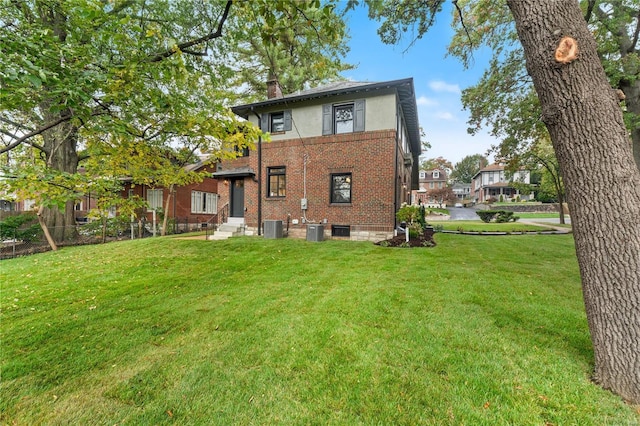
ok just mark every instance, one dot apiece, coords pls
pixel 601 179
pixel 60 145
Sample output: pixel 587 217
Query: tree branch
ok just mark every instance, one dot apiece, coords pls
pixel 15 123
pixel 464 27
pixel 186 45
pixel 590 6
pixel 634 43
pixel 33 133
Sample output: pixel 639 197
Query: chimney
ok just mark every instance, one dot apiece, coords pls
pixel 273 88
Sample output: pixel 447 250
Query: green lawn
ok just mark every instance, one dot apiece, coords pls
pixel 549 215
pixel 480 226
pixel 475 331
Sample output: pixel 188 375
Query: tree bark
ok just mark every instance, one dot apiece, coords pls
pixel 60 145
pixel 167 206
pixel 631 91
pixel 602 182
pixel 45 229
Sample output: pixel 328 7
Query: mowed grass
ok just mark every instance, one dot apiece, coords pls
pixel 475 331
pixel 480 226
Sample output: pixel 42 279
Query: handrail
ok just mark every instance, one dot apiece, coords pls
pixel 223 214
pixel 216 220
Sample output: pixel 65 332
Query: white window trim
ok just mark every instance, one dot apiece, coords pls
pixel 210 200
pixel 152 199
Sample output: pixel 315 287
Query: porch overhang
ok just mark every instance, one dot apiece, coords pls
pixel 234 173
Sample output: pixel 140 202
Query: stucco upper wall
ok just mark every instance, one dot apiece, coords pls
pixel 380 114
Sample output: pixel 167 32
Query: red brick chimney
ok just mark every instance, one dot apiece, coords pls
pixel 273 88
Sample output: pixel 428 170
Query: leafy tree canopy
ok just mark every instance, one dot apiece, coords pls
pixel 504 99
pixel 436 163
pixel 123 86
pixel 467 168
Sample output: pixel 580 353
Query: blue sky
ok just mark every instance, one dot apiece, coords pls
pixel 438 81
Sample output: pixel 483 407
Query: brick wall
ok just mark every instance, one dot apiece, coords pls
pixel 182 201
pixel 370 158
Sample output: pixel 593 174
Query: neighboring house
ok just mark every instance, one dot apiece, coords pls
pixel 431 183
pixel 194 204
pixel 462 191
pixel 490 184
pixel 341 156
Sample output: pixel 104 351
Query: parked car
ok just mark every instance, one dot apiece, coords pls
pixel 458 205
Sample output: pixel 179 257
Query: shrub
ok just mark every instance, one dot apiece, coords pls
pixel 500 216
pixel 487 215
pixel 503 216
pixel 21 227
pixel 115 226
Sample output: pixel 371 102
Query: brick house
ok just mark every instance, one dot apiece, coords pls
pixel 491 184
pixel 431 182
pixel 191 205
pixel 341 156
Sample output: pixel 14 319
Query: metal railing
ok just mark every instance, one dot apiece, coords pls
pixel 214 223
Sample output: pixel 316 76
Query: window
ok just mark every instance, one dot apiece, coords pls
pixel 204 202
pixel 154 199
pixel 341 188
pixel 276 181
pixel 423 175
pixel 343 118
pixel 431 185
pixel 276 122
pixel 241 151
pixel 28 205
pixel 436 174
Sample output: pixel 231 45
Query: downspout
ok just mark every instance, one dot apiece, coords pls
pixel 395 182
pixel 259 173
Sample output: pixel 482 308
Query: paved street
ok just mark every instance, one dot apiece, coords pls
pixel 463 213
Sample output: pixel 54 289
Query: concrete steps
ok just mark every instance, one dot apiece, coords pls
pixel 232 228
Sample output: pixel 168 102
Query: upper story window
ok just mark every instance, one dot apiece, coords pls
pixel 276 122
pixel 436 174
pixel 241 151
pixel 343 118
pixel 341 188
pixel 276 181
pixel 423 175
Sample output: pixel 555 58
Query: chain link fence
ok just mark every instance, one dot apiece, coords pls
pixel 21 235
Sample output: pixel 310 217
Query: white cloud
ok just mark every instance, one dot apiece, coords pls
pixel 424 101
pixel 442 86
pixel 443 115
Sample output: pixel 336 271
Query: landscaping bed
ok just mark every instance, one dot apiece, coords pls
pixel 424 239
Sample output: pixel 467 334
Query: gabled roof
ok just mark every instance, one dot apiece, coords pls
pixel 404 89
pixel 429 175
pixel 495 167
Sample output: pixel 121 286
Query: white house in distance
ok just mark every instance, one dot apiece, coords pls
pixel 491 184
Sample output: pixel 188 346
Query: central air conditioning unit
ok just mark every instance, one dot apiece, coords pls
pixel 315 232
pixel 273 229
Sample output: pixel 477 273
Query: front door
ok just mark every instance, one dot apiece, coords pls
pixel 237 198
